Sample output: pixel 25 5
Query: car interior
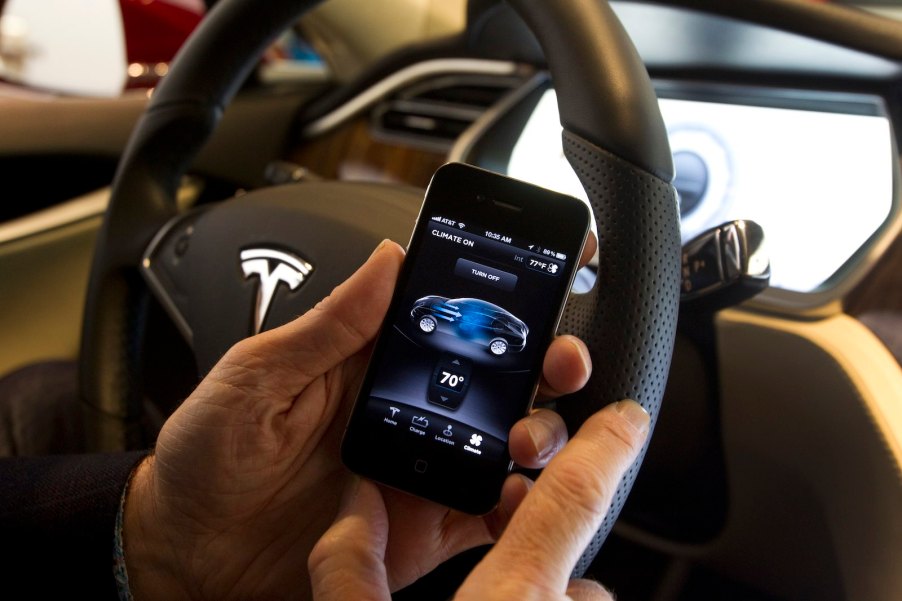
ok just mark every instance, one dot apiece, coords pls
pixel 775 467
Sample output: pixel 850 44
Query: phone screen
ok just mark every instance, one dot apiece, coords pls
pixel 460 352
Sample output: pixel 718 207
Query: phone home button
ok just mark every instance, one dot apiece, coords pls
pixel 420 466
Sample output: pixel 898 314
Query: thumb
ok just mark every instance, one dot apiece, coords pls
pixel 336 328
pixel 587 590
pixel 348 562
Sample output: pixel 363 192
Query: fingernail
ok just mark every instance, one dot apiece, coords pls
pixel 541 436
pixel 584 356
pixel 634 414
pixel 380 247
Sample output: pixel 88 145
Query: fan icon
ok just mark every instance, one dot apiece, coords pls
pixel 476 440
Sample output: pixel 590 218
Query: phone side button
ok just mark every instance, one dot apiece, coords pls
pixel 420 466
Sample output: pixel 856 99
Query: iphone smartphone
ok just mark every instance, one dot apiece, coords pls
pixel 459 356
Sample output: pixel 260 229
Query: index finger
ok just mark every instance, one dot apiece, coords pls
pixel 565 508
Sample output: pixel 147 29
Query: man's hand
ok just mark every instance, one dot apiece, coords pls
pixel 246 475
pixel 533 558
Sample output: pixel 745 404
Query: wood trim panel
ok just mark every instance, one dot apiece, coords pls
pixel 352 153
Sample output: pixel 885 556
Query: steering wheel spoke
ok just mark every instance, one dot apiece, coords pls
pixel 228 271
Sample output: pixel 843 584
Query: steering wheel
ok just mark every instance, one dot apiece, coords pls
pixel 197 264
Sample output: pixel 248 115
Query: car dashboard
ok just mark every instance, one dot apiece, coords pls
pixel 754 130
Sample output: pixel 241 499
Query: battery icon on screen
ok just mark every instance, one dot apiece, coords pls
pixel 561 256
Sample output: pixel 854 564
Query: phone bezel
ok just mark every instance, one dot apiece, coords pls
pixel 467 483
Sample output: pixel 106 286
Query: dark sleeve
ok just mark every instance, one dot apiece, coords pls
pixel 57 522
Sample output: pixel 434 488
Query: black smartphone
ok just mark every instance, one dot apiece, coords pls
pixel 459 356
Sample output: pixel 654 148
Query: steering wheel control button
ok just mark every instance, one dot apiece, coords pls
pixel 420 466
pixel 450 381
pixel 182 244
pixel 486 275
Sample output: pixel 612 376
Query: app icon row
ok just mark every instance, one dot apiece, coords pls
pixel 437 429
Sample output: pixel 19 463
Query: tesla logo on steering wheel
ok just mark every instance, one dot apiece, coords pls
pixel 272 266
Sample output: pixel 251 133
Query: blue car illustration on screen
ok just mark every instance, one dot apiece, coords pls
pixel 473 320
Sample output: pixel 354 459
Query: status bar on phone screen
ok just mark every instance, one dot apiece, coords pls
pixel 508 248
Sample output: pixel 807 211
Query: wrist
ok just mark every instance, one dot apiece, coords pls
pixel 151 559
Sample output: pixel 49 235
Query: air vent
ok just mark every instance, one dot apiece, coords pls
pixel 433 113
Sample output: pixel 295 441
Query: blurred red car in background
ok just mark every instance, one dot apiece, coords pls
pixel 154 31
pixel 116 45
